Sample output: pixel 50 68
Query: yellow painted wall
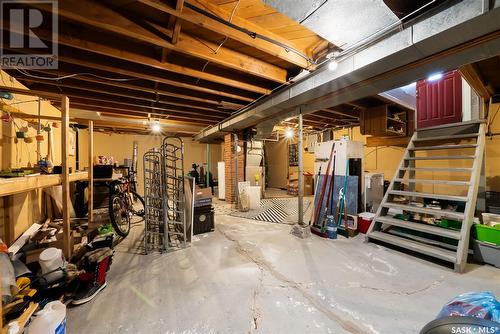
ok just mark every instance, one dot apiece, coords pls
pixel 385 159
pixel 24 209
pixel 277 162
pixel 119 146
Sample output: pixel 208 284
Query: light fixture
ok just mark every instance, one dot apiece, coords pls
pixel 156 127
pixel 435 76
pixel 289 133
pixel 332 65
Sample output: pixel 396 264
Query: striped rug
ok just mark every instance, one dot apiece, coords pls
pixel 275 210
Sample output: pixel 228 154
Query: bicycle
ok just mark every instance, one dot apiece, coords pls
pixel 124 204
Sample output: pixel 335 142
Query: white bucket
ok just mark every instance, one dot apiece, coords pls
pixel 51 259
pixel 50 320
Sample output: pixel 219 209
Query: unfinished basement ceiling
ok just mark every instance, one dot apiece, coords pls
pixel 175 60
pixel 344 23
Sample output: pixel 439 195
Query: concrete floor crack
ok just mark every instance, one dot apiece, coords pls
pixel 256 314
pixel 400 293
pixel 347 325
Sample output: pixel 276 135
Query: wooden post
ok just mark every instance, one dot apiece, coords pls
pixel 91 172
pixel 300 145
pixel 65 177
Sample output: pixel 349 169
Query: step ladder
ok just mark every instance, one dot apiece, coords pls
pixel 405 192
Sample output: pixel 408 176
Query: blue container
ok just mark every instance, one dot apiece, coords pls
pixel 331 227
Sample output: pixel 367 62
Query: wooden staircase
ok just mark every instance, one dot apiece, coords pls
pixel 406 194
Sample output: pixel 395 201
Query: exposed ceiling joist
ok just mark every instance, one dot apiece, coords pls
pixel 121 93
pixel 472 76
pixel 198 19
pixel 138 112
pixel 199 97
pixel 122 54
pixel 77 95
pixel 177 25
pixel 136 74
pixel 96 15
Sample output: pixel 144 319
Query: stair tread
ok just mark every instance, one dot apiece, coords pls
pixel 453 183
pixel 449 137
pixel 437 169
pixel 434 212
pixel 420 227
pixel 414 246
pixel 428 195
pixel 443 157
pixel 442 147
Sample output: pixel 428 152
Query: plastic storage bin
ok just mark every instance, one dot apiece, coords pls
pixel 490 234
pixel 364 221
pixel 487 253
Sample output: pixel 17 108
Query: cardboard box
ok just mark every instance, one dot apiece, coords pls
pixel 202 197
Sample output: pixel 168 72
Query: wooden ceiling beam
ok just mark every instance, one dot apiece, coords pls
pixel 109 51
pixel 330 120
pixel 229 58
pixel 177 25
pixel 136 74
pixel 78 95
pixel 94 14
pixel 341 113
pixel 137 112
pixel 110 91
pixel 472 76
pixel 205 22
pixel 214 101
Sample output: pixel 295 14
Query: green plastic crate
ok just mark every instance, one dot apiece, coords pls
pixel 488 233
pixel 450 224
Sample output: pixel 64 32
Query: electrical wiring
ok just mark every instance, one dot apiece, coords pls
pixel 24 72
pixel 222 43
pixel 252 34
pixel 312 13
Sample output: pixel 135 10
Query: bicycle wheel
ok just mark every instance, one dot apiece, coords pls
pixel 138 205
pixel 119 215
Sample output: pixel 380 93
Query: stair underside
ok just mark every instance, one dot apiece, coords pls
pixel 430 229
pixel 434 212
pixel 419 247
pixel 428 195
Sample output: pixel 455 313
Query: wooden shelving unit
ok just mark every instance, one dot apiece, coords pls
pixel 12 186
pixel 386 120
pixel 17 185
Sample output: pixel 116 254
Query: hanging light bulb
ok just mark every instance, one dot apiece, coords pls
pixel 156 127
pixel 289 133
pixel 332 65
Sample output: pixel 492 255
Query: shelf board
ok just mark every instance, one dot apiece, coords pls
pixel 396 120
pixel 17 185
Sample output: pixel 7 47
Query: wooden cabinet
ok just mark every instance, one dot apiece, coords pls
pixel 386 121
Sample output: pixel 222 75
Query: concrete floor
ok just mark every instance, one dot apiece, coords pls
pixel 254 277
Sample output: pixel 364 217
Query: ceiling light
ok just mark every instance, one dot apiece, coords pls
pixel 435 76
pixel 289 133
pixel 156 127
pixel 332 65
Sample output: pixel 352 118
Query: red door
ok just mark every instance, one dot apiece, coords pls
pixel 440 101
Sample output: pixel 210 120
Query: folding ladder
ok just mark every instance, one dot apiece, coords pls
pixel 408 189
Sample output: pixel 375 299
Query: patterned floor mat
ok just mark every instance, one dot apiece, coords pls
pixel 274 210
